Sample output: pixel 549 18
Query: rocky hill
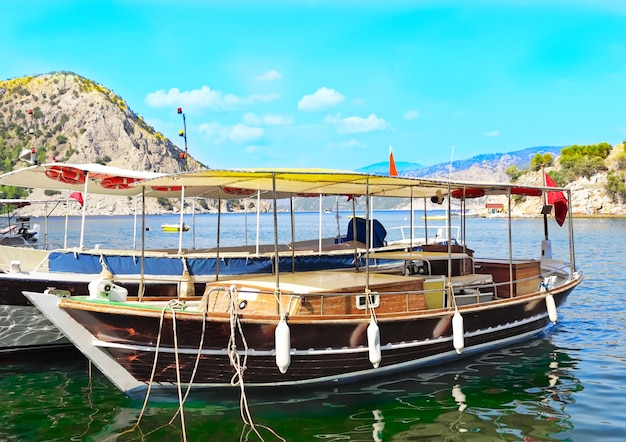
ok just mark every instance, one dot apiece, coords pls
pixel 66 117
pixel 69 118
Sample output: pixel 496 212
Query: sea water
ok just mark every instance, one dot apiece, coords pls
pixel 567 385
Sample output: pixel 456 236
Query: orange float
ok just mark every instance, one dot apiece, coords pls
pixel 66 174
pixel 470 192
pixel 118 182
pixel 167 188
pixel 239 192
pixel 528 191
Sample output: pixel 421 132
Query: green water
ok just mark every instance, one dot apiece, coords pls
pixel 517 394
pixel 569 386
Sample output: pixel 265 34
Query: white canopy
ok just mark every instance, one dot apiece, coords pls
pixel 99 179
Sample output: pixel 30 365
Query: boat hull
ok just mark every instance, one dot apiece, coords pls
pixel 24 328
pixel 322 350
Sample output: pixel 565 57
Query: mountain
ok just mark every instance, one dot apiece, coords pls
pixel 489 167
pixel 383 168
pixel 69 118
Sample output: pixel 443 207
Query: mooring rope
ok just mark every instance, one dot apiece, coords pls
pixel 236 363
pixel 173 304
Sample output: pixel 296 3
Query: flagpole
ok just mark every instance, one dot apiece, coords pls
pixel 546 245
pixel 67 208
pixel 82 221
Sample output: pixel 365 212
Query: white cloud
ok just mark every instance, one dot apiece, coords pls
pixel 411 115
pixel 241 134
pixel 269 76
pixel 266 120
pixel 203 98
pixel 322 99
pixel 351 125
pixel 350 144
pixel 492 133
pixel 238 134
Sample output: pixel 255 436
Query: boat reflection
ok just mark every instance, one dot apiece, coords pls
pixel 521 393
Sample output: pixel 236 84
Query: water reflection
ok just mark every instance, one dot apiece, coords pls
pixel 520 393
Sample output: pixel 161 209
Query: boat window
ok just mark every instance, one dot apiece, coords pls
pixel 361 301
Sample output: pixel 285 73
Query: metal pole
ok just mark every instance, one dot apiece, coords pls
pixel 183 134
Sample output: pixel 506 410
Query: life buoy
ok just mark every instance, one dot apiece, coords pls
pixel 167 188
pixel 238 191
pixel 66 174
pixel 528 191
pixel 470 192
pixel 118 182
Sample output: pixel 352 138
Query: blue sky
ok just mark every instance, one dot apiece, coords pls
pixel 333 84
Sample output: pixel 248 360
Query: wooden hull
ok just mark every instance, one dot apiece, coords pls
pixel 324 349
pixel 24 328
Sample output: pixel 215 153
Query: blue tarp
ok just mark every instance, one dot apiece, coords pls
pixel 131 265
pixel 378 238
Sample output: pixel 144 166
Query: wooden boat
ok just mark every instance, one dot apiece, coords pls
pixel 293 328
pixel 174 227
pixel 151 272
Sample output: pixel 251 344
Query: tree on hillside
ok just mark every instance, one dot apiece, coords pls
pixel 514 173
pixel 541 160
pixel 583 161
pixel 616 185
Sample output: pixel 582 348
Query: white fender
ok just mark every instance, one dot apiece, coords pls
pixel 282 341
pixel 185 285
pixel 457 332
pixel 373 343
pixel 551 305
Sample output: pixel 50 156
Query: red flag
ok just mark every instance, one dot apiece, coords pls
pixel 78 197
pixel 558 200
pixel 392 164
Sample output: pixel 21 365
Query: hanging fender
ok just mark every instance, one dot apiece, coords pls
pixel 457 332
pixel 282 342
pixel 551 306
pixel 373 343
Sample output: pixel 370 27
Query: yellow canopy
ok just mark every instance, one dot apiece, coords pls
pixel 241 183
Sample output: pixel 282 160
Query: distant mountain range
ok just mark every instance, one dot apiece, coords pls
pixel 493 164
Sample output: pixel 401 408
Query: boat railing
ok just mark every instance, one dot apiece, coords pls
pixel 430 234
pixel 342 304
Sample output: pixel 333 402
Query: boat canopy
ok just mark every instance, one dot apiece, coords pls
pixel 213 183
pixel 98 179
